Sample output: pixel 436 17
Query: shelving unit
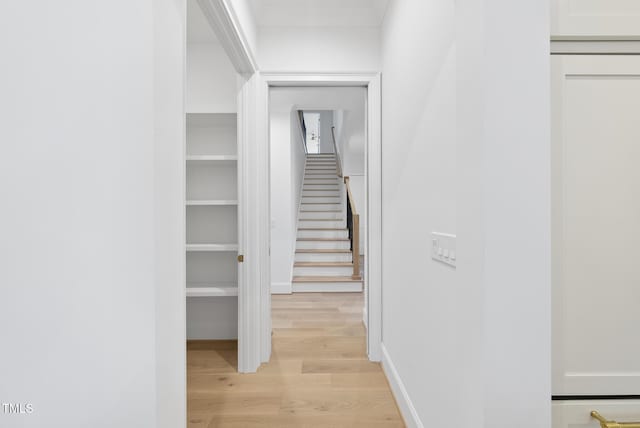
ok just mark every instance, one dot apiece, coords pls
pixel 206 202
pixel 212 210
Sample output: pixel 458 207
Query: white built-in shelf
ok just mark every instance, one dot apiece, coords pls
pixel 207 119
pixel 212 247
pixel 210 202
pixel 225 289
pixel 212 158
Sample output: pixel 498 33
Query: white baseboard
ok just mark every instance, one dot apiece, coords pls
pixel 365 316
pixel 281 288
pixel 411 418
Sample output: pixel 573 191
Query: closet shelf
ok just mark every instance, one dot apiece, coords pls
pixel 212 158
pixel 225 289
pixel 208 202
pixel 211 247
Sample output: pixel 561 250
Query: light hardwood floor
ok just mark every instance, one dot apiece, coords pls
pixel 318 376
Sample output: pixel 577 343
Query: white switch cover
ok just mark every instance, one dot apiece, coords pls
pixel 443 248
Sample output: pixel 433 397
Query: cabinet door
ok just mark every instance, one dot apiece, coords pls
pixel 596 228
pixel 595 18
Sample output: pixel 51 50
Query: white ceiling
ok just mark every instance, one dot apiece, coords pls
pixel 198 28
pixel 319 13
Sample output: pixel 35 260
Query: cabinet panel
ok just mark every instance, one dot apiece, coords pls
pixel 576 414
pixel 595 18
pixel 596 225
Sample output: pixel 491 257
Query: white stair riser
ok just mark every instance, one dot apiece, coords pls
pixel 322 271
pixel 327 287
pixel 323 245
pixel 321 224
pixel 321 184
pixel 321 207
pixel 323 257
pixel 321 191
pixel 331 193
pixel 336 234
pixel 307 215
pixel 323 176
pixel 323 199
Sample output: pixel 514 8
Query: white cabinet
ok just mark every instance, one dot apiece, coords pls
pixel 596 236
pixel 212 212
pixel 595 18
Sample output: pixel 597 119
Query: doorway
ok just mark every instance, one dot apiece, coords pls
pixel 370 83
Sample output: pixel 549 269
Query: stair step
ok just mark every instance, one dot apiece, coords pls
pixel 323 239
pixel 305 255
pixel 320 199
pixel 323 251
pixel 334 233
pixel 319 215
pixel 320 203
pixel 326 284
pixel 325 279
pixel 319 192
pixel 322 228
pixel 323 264
pixel 319 244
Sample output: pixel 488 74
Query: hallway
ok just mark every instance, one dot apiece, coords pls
pixel 318 376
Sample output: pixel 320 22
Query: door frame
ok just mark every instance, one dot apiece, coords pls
pixel 258 208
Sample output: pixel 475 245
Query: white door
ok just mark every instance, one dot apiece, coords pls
pixel 596 238
pixel 595 18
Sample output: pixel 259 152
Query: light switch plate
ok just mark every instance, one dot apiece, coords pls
pixel 443 248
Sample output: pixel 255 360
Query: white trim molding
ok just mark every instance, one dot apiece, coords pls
pixel 225 25
pixel 408 411
pixel 249 290
pixel 258 208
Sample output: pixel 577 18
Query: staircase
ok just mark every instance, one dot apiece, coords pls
pixel 323 259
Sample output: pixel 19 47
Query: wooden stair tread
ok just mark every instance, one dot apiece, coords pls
pixel 323 228
pixel 323 264
pixel 325 279
pixel 320 219
pixel 323 239
pixel 320 250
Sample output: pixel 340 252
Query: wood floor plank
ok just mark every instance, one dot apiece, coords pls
pixel 318 376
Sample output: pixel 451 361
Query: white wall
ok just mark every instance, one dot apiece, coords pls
pixel 169 192
pixel 326 122
pixel 287 159
pixel 465 151
pixel 319 48
pixel 211 79
pixel 297 164
pixel 80 301
pixel 282 239
pixel 351 143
